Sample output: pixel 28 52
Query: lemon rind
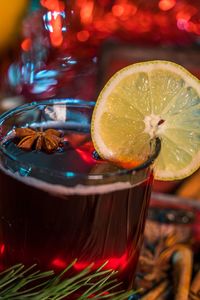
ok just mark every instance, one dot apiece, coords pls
pixel 100 106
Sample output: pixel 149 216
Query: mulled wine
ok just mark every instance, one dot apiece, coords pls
pixel 70 204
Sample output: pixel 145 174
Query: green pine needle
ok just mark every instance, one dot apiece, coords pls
pixel 20 283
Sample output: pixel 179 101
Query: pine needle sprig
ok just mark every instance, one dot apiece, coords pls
pixel 21 283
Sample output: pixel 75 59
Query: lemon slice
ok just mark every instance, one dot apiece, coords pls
pixel 147 100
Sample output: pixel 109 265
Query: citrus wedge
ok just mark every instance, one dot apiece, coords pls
pixel 147 100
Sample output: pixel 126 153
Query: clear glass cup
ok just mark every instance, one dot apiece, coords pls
pixel 70 204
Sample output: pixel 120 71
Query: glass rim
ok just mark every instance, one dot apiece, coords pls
pixel 81 104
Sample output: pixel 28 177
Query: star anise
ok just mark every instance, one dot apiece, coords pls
pixel 49 140
pixel 153 265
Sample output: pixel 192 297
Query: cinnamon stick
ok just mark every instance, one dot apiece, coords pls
pixel 182 265
pixel 190 188
pixel 156 292
pixel 195 287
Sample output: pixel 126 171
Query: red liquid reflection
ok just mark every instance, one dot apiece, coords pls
pixel 53 231
pixel 111 263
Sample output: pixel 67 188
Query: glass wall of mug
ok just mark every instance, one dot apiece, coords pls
pixel 70 204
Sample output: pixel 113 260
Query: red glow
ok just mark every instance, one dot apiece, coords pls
pixel 192 27
pixel 2 249
pixel 161 21
pixel 85 155
pixel 109 23
pixel 81 265
pixel 86 12
pixel 166 4
pixel 118 10
pixel 56 36
pixel 83 35
pixel 182 24
pixel 183 15
pixel 186 12
pixel 55 7
pixel 59 263
pixel 133 10
pixel 113 263
pixel 123 10
pixel 132 20
pixel 117 262
pixel 144 20
pixel 26 44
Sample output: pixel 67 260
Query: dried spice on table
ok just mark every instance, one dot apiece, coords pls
pixel 195 287
pixel 166 252
pixel 153 267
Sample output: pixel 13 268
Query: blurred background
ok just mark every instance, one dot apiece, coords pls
pixel 55 48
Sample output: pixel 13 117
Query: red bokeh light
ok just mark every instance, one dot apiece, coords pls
pixel 54 5
pixel 81 265
pixel 55 20
pixel 59 263
pixel 85 156
pixel 163 21
pixel 86 12
pixel 117 10
pixel 2 249
pixel 117 262
pixel 114 263
pixel 166 4
pixel 83 35
pixel 26 45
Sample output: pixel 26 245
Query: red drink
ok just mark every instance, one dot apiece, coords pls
pixel 68 205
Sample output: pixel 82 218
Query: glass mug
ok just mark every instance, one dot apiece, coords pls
pixel 55 208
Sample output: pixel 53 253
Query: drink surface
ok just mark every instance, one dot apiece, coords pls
pixel 75 156
pixel 74 168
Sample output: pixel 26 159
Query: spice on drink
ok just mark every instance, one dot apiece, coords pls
pixel 48 141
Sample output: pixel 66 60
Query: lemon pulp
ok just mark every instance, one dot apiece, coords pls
pixel 147 100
